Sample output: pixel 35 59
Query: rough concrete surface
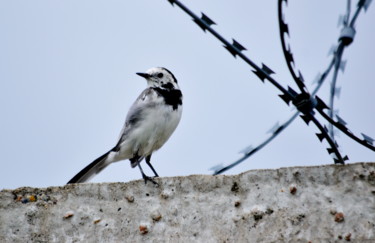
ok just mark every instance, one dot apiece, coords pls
pixel 331 203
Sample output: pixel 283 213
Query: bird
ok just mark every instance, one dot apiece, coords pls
pixel 150 122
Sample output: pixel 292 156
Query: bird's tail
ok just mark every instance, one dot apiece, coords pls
pixel 92 169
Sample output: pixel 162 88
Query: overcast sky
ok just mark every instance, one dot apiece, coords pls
pixel 67 80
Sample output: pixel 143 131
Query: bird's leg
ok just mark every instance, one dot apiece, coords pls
pixel 145 177
pixel 148 159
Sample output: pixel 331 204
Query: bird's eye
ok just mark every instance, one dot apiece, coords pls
pixel 160 75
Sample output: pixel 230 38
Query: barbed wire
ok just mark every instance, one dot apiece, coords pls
pixel 336 61
pixel 275 130
pixel 334 91
pixel 345 39
pixel 303 101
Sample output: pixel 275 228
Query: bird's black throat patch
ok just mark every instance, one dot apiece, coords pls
pixel 172 97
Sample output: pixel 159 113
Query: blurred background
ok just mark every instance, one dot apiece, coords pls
pixel 67 80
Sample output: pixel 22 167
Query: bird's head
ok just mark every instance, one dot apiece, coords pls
pixel 160 77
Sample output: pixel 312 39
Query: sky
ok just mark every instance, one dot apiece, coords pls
pixel 67 80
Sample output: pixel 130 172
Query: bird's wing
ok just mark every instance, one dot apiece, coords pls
pixel 146 100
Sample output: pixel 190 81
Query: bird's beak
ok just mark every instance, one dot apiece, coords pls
pixel 145 75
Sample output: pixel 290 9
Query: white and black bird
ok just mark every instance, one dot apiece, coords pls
pixel 149 123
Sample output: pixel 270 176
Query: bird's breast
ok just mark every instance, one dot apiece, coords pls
pixel 156 128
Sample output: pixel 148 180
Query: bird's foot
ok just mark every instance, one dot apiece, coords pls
pixel 149 178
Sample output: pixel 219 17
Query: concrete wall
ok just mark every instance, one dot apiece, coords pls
pixel 301 204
